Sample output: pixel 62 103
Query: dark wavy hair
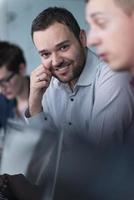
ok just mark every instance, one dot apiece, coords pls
pixel 11 56
pixel 55 14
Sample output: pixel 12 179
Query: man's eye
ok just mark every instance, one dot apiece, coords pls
pixel 101 23
pixel 45 55
pixel 64 48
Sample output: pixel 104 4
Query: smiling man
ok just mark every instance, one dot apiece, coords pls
pixel 72 89
pixel 112 31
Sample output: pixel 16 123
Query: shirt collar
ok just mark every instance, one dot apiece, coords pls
pixel 88 74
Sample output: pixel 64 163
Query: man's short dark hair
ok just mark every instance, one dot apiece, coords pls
pixel 11 56
pixel 55 14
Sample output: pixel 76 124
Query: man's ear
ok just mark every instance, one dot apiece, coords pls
pixel 83 38
pixel 22 69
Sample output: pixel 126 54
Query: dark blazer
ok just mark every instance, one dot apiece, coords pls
pixel 6 109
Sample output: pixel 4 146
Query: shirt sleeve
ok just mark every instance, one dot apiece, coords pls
pixel 41 121
pixel 113 110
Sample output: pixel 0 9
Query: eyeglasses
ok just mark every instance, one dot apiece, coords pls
pixel 5 81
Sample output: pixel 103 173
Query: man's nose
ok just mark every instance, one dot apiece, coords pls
pixel 56 59
pixel 93 39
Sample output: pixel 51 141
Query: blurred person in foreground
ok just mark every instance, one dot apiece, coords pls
pixel 111 31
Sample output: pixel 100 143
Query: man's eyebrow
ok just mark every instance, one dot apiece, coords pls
pixel 43 51
pixel 62 43
pixel 57 46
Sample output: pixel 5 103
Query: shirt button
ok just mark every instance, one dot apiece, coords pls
pixel 72 99
pixel 70 123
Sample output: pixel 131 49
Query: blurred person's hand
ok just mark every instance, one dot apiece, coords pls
pixel 39 82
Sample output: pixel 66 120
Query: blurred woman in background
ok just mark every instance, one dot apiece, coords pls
pixel 16 138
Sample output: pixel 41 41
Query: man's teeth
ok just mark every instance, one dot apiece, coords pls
pixel 61 68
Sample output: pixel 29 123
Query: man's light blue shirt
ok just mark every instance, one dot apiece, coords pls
pixel 101 105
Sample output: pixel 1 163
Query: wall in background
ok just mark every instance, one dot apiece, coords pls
pixel 16 17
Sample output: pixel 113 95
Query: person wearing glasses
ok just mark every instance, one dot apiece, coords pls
pixel 13 82
pixel 6 105
pixel 15 142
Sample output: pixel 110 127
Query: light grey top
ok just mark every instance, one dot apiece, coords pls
pixel 18 146
pixel 101 105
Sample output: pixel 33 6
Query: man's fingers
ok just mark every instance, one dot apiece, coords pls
pixel 43 77
pixel 41 69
